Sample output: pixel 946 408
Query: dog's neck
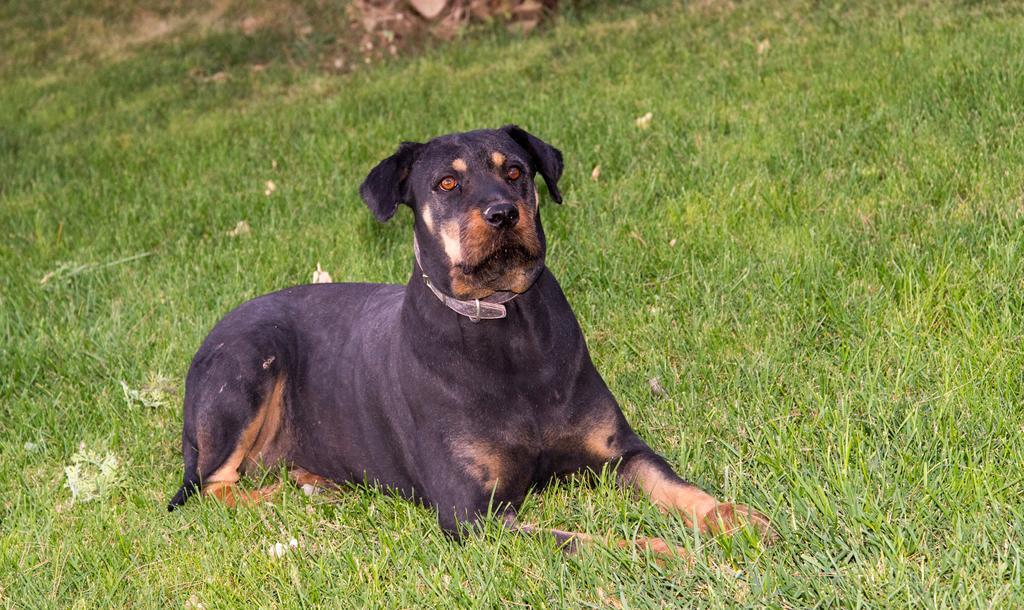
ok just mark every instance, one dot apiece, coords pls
pixel 489 308
pixel 539 324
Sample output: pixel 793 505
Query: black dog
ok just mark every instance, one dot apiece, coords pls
pixel 461 389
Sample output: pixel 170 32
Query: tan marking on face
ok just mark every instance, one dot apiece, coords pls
pixel 259 441
pixel 689 502
pixel 463 287
pixel 497 159
pixel 528 230
pixel 477 244
pixel 428 218
pixel 450 241
pixel 480 460
pixel 476 236
pixel 520 281
pixel 459 165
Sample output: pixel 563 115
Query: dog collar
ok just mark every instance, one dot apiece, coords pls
pixel 489 308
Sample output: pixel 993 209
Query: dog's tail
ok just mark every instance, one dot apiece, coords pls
pixel 190 485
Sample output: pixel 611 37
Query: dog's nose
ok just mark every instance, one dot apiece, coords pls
pixel 501 215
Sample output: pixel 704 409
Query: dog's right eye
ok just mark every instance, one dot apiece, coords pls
pixel 448 183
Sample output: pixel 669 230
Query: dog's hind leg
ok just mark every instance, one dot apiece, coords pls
pixel 233 420
pixel 254 439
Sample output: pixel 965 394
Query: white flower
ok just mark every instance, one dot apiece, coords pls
pixel 320 276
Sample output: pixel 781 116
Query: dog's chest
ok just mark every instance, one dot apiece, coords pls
pixel 525 448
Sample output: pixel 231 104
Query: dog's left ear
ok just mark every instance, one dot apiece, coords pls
pixel 384 187
pixel 546 157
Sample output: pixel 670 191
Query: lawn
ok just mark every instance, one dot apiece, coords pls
pixel 816 246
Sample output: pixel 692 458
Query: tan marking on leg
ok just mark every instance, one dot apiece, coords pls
pixel 232 496
pixel 450 241
pixel 263 450
pixel 571 541
pixel 428 218
pixel 301 477
pixel 459 165
pixel 309 482
pixel 728 518
pixel 229 471
pixel 256 441
pixel 689 502
pixel 599 438
pixel 497 159
pixel 480 460
pixel 657 547
pixel 693 504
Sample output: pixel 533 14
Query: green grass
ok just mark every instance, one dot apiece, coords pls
pixel 816 248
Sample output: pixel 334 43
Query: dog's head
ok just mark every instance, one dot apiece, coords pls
pixel 475 203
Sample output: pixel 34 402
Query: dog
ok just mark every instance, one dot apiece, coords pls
pixel 461 390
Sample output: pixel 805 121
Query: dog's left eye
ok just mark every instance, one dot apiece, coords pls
pixel 514 173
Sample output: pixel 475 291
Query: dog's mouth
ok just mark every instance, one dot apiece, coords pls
pixel 504 261
pixel 502 268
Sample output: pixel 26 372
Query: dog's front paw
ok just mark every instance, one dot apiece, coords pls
pixel 728 518
pixel 660 549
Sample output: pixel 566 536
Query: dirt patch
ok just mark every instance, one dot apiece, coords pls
pixel 444 19
pixel 386 28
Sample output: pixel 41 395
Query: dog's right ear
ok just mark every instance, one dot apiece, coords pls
pixel 546 158
pixel 384 187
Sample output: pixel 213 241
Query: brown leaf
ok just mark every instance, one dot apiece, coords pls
pixel 656 388
pixel 242 228
pixel 320 276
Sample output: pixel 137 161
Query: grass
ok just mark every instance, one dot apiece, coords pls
pixel 816 246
